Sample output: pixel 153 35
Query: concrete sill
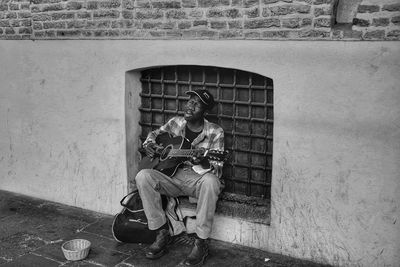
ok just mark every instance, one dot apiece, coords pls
pixel 248 209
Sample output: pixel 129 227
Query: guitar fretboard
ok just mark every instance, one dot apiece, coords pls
pixel 183 152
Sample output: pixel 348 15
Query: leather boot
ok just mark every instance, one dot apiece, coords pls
pixel 159 246
pixel 198 254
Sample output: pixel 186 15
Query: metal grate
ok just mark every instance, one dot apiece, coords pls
pixel 244 110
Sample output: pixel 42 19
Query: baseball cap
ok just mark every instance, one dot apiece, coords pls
pixel 205 96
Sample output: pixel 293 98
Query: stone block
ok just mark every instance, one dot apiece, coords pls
pixel 218 25
pixel 73 33
pixel 151 14
pixel 11 15
pixel 232 13
pixel 393 35
pixel 236 24
pixel 83 15
pixel 237 3
pixel 200 23
pixel 176 14
pixel 109 4
pixel 41 17
pixel 318 34
pixel 151 25
pixel 37 26
pixel 231 34
pixel 14 23
pixel 252 35
pixel 92 5
pixel 367 8
pixel 306 21
pixel 379 22
pixel 173 34
pixel 143 4
pixel 52 7
pixel 319 2
pixel 252 13
pixel 196 13
pixel 3 7
pixel 127 14
pixel 391 7
pixel 128 4
pixel 166 4
pixel 377 34
pixel 266 2
pixel 323 22
pixel 361 22
pixel 54 25
pixel 4 23
pixel 76 24
pixel 169 25
pixel 25 6
pixel 62 16
pixel 250 3
pixel 274 34
pixel 320 11
pixel 261 23
pixel 13 6
pixel 286 9
pixel 206 34
pixel 291 23
pixel 213 3
pixel 25 23
pixel 111 14
pixel 23 15
pixel 396 20
pixel 189 3
pixel 25 30
pixel 74 5
pixel 184 25
pixel 215 13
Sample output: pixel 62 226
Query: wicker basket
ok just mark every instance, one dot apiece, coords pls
pixel 76 249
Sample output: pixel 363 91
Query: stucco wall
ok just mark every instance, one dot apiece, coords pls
pixel 335 188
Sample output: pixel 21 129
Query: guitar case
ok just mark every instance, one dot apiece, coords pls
pixel 130 225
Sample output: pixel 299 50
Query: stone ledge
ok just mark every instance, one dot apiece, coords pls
pixel 230 206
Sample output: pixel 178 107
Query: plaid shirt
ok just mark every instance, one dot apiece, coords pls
pixel 211 138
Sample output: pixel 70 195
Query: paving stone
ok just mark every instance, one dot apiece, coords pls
pixel 102 227
pixel 31 260
pixel 99 255
pixel 52 251
pixel 19 244
pixel 126 248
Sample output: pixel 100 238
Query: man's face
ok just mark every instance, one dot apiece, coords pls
pixel 194 109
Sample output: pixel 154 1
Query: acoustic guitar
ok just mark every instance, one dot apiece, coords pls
pixel 173 151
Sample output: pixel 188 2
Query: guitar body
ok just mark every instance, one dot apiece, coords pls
pixel 163 163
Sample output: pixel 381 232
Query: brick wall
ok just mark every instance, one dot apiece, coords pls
pixel 376 20
pixel 191 19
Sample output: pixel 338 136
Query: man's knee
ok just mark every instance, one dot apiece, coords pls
pixel 210 181
pixel 143 176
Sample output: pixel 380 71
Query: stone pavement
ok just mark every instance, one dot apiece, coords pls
pixel 32 231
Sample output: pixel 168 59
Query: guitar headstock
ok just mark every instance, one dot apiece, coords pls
pixel 217 155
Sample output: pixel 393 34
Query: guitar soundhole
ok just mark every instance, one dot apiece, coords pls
pixel 165 152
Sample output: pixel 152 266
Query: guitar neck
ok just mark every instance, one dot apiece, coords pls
pixel 186 153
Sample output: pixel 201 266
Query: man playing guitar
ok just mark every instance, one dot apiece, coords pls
pixel 198 178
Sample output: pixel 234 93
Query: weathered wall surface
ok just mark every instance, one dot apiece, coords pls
pixel 335 188
pixel 197 19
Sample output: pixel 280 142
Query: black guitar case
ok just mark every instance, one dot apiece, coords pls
pixel 130 225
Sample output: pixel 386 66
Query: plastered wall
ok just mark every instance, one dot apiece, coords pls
pixel 335 188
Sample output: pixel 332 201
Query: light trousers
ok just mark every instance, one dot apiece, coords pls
pixel 206 188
